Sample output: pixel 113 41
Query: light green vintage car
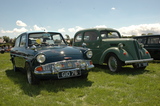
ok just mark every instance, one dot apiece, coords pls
pixel 109 48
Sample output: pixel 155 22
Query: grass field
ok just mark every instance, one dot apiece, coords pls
pixel 129 87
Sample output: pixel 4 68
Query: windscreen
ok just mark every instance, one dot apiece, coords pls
pixel 45 39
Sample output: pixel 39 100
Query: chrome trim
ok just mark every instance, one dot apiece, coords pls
pixel 50 69
pixel 138 61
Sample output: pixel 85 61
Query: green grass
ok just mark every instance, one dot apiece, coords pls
pixel 102 88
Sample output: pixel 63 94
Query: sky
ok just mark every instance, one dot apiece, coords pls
pixel 129 17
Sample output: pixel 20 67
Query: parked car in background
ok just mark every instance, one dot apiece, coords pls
pixel 45 55
pixel 109 48
pixel 2 50
pixel 151 43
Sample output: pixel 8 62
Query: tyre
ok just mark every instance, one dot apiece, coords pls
pixel 114 63
pixel 84 76
pixel 15 69
pixel 30 76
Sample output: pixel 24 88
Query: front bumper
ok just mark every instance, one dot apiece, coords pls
pixel 138 61
pixel 63 66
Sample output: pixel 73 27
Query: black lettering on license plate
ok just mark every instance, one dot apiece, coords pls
pixel 67 74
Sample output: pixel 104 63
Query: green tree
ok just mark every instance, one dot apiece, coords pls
pixel 6 38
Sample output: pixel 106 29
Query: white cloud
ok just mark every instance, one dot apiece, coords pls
pixel 77 28
pixel 37 28
pixel 101 26
pixel 61 30
pixel 113 8
pixel 140 29
pixel 15 30
pixel 20 23
pixel 71 30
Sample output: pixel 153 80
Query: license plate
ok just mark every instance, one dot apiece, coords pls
pixel 145 64
pixel 142 64
pixel 67 74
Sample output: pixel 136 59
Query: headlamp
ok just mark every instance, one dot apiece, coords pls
pixel 120 45
pixel 89 54
pixel 41 58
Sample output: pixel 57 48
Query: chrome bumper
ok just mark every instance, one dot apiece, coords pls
pixel 62 66
pixel 138 61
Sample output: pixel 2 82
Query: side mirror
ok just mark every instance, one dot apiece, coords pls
pixel 84 45
pixel 33 47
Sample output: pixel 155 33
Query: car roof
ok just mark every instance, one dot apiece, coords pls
pixel 97 29
pixel 29 32
pixel 145 36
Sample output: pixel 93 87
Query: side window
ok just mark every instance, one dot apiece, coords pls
pixel 78 37
pixel 109 34
pixel 23 41
pixel 153 40
pixel 142 40
pixel 90 36
pixel 17 42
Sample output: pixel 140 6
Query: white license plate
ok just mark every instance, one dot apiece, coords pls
pixel 67 74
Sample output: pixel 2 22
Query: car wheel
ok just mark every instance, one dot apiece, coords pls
pixel 30 76
pixel 14 66
pixel 84 76
pixel 114 63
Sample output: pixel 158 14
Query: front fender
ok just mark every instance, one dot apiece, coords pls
pixel 121 54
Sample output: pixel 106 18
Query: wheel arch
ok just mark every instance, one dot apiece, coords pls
pixel 108 52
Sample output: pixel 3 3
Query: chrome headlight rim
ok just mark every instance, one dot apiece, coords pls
pixel 41 58
pixel 120 46
pixel 141 45
pixel 89 54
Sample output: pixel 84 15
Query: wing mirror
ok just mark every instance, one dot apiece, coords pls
pixel 84 45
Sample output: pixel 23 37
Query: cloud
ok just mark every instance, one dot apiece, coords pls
pixel 37 28
pixel 140 29
pixel 15 30
pixel 61 30
pixel 20 23
pixel 101 26
pixel 113 8
pixel 77 28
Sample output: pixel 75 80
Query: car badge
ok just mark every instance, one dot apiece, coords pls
pixel 67 58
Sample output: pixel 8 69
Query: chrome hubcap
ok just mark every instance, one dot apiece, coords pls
pixel 112 63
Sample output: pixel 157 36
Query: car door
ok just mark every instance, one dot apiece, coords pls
pixel 19 51
pixel 92 41
pixel 78 39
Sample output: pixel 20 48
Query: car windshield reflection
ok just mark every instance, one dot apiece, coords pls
pixel 107 34
pixel 45 39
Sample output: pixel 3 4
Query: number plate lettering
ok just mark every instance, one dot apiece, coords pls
pixel 67 74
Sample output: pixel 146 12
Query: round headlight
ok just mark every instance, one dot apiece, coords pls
pixel 41 58
pixel 120 45
pixel 89 54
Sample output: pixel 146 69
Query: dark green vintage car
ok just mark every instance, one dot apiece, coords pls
pixel 151 43
pixel 45 55
pixel 109 48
